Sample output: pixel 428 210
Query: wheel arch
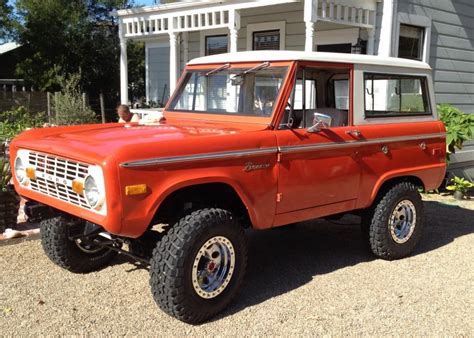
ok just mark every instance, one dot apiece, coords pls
pixel 211 192
pixel 383 186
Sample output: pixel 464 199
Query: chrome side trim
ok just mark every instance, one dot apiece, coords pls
pixel 356 143
pixel 200 157
pixel 273 150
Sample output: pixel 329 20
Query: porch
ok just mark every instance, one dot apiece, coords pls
pixel 178 32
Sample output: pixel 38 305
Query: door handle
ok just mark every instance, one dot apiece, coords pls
pixel 355 133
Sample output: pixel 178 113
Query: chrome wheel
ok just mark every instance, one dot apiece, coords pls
pixel 402 221
pixel 213 267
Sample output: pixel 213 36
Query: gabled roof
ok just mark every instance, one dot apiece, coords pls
pixel 7 47
pixel 279 55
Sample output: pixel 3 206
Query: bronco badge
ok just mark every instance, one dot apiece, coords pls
pixel 249 166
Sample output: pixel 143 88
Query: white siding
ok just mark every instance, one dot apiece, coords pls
pixel 158 73
pixel 452 48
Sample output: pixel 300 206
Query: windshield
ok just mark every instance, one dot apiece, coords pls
pixel 237 91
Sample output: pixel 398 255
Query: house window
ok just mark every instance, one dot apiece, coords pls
pixel 266 40
pixel 410 44
pixel 216 44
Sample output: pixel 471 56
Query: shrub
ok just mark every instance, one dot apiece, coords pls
pixel 5 174
pixel 68 105
pixel 459 126
pixel 13 122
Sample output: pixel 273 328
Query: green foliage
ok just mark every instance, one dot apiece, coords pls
pixel 460 184
pixel 459 126
pixel 12 123
pixel 62 37
pixel 5 174
pixel 15 121
pixel 68 104
pixel 6 20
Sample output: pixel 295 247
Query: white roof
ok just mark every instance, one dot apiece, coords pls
pixel 309 56
pixel 6 47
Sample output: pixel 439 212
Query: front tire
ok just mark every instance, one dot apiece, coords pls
pixel 70 254
pixel 394 225
pixel 199 265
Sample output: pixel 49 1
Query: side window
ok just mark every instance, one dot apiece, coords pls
pixel 395 95
pixel 309 95
pixel 317 90
pixel 341 94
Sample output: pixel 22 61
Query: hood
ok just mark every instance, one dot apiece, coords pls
pixel 94 143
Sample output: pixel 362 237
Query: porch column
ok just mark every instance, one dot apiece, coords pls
pixel 185 36
pixel 310 18
pixel 386 28
pixel 370 41
pixel 123 72
pixel 309 42
pixel 173 61
pixel 234 26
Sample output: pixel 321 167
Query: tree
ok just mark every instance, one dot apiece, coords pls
pixel 6 20
pixel 63 37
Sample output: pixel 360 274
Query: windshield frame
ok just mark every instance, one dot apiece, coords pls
pixel 198 115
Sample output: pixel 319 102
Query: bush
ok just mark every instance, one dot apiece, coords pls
pixel 5 174
pixel 13 122
pixel 459 126
pixel 68 105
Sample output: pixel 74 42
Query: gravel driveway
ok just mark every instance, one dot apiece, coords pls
pixel 315 278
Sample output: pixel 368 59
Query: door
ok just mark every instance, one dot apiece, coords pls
pixel 318 169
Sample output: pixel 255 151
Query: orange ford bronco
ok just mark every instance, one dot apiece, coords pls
pixel 248 139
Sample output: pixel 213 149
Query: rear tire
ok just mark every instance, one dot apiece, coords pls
pixel 67 253
pixel 199 265
pixel 393 226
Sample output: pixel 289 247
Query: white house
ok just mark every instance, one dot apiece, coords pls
pixel 440 32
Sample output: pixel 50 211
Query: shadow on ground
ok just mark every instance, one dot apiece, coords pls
pixel 283 260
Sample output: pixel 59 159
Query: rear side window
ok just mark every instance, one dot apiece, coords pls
pixel 395 95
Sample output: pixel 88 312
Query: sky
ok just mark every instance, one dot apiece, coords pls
pixel 144 2
pixel 137 2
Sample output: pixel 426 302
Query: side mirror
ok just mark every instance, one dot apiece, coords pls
pixel 320 122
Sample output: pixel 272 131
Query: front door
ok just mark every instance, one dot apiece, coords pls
pixel 319 171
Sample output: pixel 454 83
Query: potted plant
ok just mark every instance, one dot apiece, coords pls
pixel 9 200
pixel 460 186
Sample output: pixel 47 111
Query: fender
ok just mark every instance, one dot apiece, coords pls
pixel 206 180
pixel 430 175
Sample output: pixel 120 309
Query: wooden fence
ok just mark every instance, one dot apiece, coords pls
pixel 36 101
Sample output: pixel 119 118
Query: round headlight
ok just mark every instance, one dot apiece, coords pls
pixel 20 171
pixel 91 192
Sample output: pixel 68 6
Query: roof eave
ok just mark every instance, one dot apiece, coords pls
pixel 165 7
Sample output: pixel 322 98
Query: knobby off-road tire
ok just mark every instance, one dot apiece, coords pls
pixel 65 252
pixel 382 225
pixel 184 250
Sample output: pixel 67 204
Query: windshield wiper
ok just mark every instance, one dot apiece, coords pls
pixel 259 67
pixel 219 69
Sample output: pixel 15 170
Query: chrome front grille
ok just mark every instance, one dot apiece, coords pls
pixel 54 176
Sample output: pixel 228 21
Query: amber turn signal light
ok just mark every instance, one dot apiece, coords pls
pixel 135 189
pixel 31 173
pixel 78 186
